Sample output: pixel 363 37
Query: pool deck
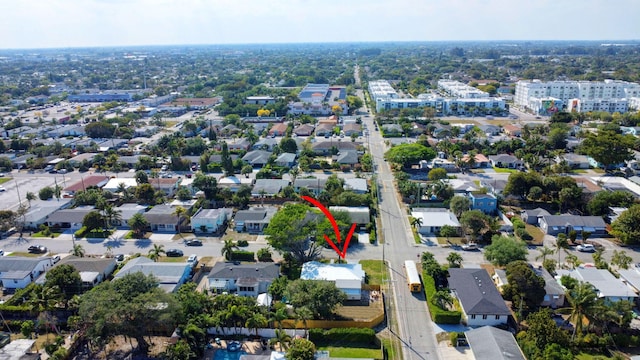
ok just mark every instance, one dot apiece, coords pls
pixel 250 347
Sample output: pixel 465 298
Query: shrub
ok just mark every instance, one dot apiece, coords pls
pixel 264 255
pixel 517 223
pixel 81 232
pixel 523 234
pixel 242 243
pixel 242 255
pixel 438 315
pixel 340 335
pixel 372 236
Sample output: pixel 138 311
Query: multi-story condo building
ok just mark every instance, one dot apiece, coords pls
pixel 547 97
pixel 319 99
pixel 464 99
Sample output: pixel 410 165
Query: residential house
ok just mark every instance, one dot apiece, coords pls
pixel 431 220
pixel 16 272
pixel 268 187
pixel 605 284
pixel 575 161
pixel 85 183
pixel 390 129
pixel 146 131
pixel 40 210
pixel 439 130
pixel 512 130
pixel 234 183
pixel 229 130
pixel 346 157
pixel 631 277
pixel 325 147
pixel 161 218
pixel 347 277
pixel 127 211
pixel 554 292
pixel 350 129
pixel 287 160
pixel 257 158
pixel 316 186
pixel 254 220
pixel 448 165
pixel 486 203
pixel 418 129
pixel 479 161
pixel 494 186
pixel 69 218
pixel 278 129
pixel 506 161
pixel 265 144
pixel 113 185
pixel 92 271
pixel 488 342
pixel 169 186
pixel 324 130
pixel 210 220
pixel 170 275
pixel 479 298
pixel 357 185
pixel 533 216
pixel 556 224
pixel 304 130
pixel 260 100
pixel 235 144
pixel 490 130
pixel 359 215
pixel 242 279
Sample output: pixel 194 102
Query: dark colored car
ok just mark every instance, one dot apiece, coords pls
pixel 174 253
pixel 194 242
pixel 37 249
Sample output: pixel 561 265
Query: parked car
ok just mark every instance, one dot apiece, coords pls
pixel 586 248
pixel 55 259
pixel 194 242
pixel 37 249
pixel 174 253
pixel 119 257
pixel 193 260
pixel 2 188
pixel 470 247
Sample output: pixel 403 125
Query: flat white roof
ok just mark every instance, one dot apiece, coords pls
pixel 314 270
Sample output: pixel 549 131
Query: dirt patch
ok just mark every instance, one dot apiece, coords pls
pixel 121 348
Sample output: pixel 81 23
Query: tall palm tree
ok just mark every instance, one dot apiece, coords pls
pixel 156 252
pixel 138 223
pixel 256 321
pixel 544 252
pixel 561 244
pixel 582 301
pixel 282 338
pixel 179 212
pixel 30 197
pixel 417 222
pixel 43 300
pixel 227 249
pixel 77 250
pixel 278 316
pixel 304 314
pixel 111 216
pixel 294 172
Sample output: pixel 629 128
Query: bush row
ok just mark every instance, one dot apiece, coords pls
pixel 343 335
pixel 438 315
pixel 242 255
pixel 80 233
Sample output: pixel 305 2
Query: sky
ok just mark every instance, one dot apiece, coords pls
pixel 101 23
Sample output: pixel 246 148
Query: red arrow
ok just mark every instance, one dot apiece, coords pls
pixel 336 230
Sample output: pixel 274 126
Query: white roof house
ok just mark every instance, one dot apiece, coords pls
pixel 432 219
pixel 607 286
pixel 358 214
pixel 113 184
pixel 347 277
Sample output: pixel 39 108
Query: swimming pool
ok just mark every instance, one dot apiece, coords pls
pixel 228 355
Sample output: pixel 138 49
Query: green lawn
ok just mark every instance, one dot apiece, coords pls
pixel 166 259
pixel 352 352
pixel 452 240
pixel 538 235
pixel 375 270
pixel 4 180
pixel 98 234
pixel 503 170
pixel 39 234
pixel 585 356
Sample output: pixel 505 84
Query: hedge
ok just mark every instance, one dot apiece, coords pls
pixel 438 315
pixel 242 255
pixel 343 335
pixel 81 232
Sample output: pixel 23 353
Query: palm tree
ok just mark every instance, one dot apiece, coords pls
pixel 256 321
pixel 227 249
pixel 179 212
pixel 30 197
pixel 43 299
pixel 156 252
pixel 77 250
pixel 123 191
pixel 544 252
pixel 304 314
pixel 443 299
pixel 572 260
pixel 582 301
pixel 294 172
pixel 138 223
pixel 561 244
pixel 111 216
pixel 282 338
pixel 278 316
pixel 417 222
pixel 454 259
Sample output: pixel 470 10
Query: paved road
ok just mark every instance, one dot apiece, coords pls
pixel 415 328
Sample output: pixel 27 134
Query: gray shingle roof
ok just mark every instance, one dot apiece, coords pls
pixel 488 342
pixel 477 293
pixel 88 264
pixel 575 221
pixel 227 270
pixel 257 157
pixel 17 267
pixel 161 214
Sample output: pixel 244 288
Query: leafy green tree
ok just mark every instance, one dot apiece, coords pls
pixel 505 249
pixel 627 226
pixel 46 193
pixel 541 332
pixel 477 222
pixel 524 285
pixel 93 220
pixel 602 200
pixel 621 259
pixel 206 184
pixel 290 230
pixel 459 204
pixel 300 349
pixel 77 250
pixel 448 231
pixel 608 147
pixel 145 193
pixel 520 183
pixel 408 154
pixel 321 297
pixel 227 163
pixel 27 328
pixel 141 177
pixel 288 145
pixel 282 339
pixel 454 259
pixel 66 278
pixel 437 174
pixel 442 299
pixel 179 351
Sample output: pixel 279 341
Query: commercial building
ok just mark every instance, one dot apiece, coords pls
pixel 547 97
pixel 319 100
pixel 104 96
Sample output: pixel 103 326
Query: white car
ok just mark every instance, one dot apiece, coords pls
pixel 470 246
pixel 2 188
pixel 586 248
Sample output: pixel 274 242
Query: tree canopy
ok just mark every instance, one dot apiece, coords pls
pixel 408 154
pixel 608 147
pixel 321 297
pixel 524 285
pixel 627 226
pixel 505 249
